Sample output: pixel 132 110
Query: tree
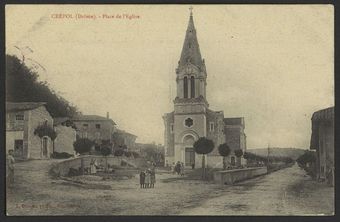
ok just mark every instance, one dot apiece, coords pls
pixel 20 76
pixel 83 145
pixel 203 146
pixel 238 153
pixel 106 150
pixel 224 150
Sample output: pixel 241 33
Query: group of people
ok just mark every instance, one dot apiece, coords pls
pixel 147 178
pixel 178 168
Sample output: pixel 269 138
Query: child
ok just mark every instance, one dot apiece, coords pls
pixel 147 179
pixel 142 179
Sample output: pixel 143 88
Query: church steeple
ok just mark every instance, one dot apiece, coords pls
pixel 190 51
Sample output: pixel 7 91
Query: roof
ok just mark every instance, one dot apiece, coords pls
pixel 324 115
pixel 91 118
pixel 191 51
pixel 22 106
pixel 124 132
pixel 233 121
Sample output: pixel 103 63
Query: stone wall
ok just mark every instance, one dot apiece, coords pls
pixel 62 168
pixel 38 117
pixel 230 177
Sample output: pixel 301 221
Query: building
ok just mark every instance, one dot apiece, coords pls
pixel 122 138
pixel 192 118
pixel 322 141
pixel 22 120
pixel 66 136
pixel 96 128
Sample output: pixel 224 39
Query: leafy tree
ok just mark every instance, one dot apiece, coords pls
pixel 224 150
pixel 45 130
pixel 83 145
pixel 106 150
pixel 22 85
pixel 203 146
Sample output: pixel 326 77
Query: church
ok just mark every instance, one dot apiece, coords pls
pixel 192 118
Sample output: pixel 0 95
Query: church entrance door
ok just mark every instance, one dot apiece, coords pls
pixel 189 156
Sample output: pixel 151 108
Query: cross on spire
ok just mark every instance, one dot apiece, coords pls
pixel 191 8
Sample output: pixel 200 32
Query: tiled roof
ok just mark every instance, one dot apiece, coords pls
pixel 324 114
pixel 21 106
pixel 91 118
pixel 233 121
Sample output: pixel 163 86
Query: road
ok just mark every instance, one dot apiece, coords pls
pixel 285 192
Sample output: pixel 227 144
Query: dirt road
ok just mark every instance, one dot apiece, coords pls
pixel 285 192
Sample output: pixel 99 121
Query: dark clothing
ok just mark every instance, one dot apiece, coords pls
pixel 142 179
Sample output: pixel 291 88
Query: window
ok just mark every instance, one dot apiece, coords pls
pixel 19 117
pixel 185 82
pixel 97 126
pixel 212 126
pixel 189 122
pixel 192 81
pixel 171 128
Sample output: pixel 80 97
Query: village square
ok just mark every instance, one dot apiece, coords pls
pixel 61 160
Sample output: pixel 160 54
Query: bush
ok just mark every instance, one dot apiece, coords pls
pixel 238 152
pixel 83 145
pixel 203 146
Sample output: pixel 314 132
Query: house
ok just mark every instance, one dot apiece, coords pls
pixel 23 119
pixel 121 138
pixel 96 128
pixel 322 141
pixel 66 135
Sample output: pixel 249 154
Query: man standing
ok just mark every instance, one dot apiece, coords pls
pixel 9 168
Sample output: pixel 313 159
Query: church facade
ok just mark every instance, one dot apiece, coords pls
pixel 192 118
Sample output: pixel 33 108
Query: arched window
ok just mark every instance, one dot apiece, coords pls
pixel 185 87
pixel 192 79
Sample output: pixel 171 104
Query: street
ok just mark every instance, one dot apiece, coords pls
pixel 285 192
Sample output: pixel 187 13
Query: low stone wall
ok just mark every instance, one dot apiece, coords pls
pixel 233 176
pixel 62 168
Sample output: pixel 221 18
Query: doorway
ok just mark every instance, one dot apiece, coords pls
pixel 189 156
pixel 18 148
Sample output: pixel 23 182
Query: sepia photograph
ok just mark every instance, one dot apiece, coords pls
pixel 169 110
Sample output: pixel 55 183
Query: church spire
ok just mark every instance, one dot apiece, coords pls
pixel 190 51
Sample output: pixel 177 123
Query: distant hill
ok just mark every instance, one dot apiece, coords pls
pixel 294 153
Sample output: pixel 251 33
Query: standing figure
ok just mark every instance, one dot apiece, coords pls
pixel 142 179
pixel 10 168
pixel 153 178
pixel 147 179
pixel 93 165
pixel 182 169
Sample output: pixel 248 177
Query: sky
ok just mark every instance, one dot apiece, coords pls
pixel 271 64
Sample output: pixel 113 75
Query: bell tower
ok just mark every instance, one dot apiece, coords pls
pixel 191 72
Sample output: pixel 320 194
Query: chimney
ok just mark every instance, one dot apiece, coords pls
pixel 107 115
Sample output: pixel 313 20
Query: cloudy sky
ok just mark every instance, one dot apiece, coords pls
pixel 271 64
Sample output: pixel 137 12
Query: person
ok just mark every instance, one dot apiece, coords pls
pixel 153 178
pixel 193 166
pixel 182 169
pixel 147 179
pixel 93 166
pixel 178 167
pixel 10 168
pixel 142 179
pixel 173 168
